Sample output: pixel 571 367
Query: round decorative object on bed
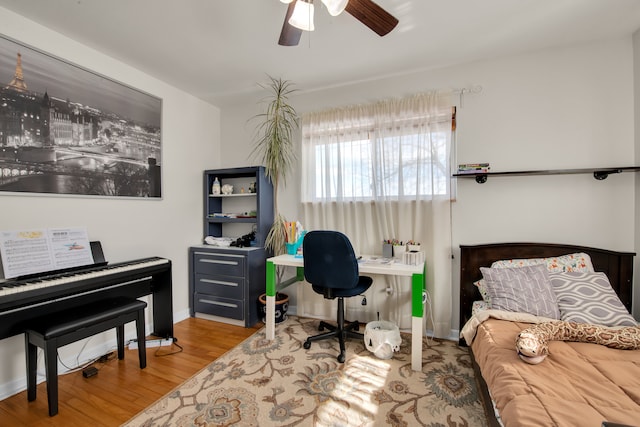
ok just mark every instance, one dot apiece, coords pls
pixel 532 344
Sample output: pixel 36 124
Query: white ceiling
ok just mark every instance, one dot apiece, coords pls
pixel 221 49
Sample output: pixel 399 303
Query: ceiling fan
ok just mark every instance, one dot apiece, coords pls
pixel 299 17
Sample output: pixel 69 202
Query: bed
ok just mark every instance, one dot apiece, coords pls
pixel 579 383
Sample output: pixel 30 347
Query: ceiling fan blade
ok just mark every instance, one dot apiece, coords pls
pixel 290 35
pixel 372 15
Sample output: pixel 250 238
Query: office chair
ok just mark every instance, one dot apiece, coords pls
pixel 331 267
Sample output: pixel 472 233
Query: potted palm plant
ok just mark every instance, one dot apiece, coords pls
pixel 275 149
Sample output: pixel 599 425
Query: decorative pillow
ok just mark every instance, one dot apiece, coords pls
pixel 482 288
pixel 589 298
pixel 524 289
pixel 565 263
pixel 479 306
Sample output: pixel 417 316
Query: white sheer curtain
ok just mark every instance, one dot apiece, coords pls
pixel 382 171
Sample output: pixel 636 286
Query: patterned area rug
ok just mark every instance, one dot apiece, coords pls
pixel 279 383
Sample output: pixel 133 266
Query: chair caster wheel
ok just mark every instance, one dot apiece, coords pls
pixel 341 358
pixel 320 328
pixel 356 327
pixel 307 345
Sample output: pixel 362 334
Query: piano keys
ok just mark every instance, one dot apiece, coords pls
pixel 23 299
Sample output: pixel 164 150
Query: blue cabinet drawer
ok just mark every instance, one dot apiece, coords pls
pixel 224 286
pixel 217 306
pixel 224 264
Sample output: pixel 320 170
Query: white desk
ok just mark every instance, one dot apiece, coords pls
pixel 416 272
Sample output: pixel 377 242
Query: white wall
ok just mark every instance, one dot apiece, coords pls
pixel 560 108
pixel 127 228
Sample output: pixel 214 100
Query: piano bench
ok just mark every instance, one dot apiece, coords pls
pixel 53 331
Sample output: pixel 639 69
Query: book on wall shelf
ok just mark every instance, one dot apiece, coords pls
pixel 472 168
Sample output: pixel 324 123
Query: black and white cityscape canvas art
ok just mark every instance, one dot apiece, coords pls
pixel 67 130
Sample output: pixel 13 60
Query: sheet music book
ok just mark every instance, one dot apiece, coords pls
pixel 36 251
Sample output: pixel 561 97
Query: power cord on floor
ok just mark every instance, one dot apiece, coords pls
pixel 81 367
pixel 77 368
pixel 174 343
pixel 111 355
pixel 426 301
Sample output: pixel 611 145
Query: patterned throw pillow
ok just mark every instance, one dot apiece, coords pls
pixel 565 263
pixel 479 306
pixel 589 298
pixel 482 288
pixel 524 289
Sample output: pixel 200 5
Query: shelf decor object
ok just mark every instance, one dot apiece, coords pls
pixel 598 173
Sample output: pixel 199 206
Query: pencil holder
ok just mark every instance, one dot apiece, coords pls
pixel 399 250
pixel 292 248
pixel 387 250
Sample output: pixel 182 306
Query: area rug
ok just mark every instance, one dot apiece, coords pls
pixel 279 383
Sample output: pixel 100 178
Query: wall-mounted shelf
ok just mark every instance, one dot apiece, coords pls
pixel 598 173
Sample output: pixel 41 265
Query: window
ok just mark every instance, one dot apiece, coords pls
pixel 394 150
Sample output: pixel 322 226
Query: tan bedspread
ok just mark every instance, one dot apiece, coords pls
pixel 579 384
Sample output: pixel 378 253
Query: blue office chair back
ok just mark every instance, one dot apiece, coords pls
pixel 329 260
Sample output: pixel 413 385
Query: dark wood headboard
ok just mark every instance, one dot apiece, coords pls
pixel 618 266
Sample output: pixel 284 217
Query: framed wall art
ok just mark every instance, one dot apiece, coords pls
pixel 68 130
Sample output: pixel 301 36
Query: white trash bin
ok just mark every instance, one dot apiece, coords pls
pixel 382 338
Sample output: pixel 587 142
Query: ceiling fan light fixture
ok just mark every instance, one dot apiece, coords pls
pixel 302 16
pixel 286 1
pixel 335 7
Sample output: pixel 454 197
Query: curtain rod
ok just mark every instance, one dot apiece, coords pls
pixel 473 89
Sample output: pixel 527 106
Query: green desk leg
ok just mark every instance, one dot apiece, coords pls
pixel 271 295
pixel 271 301
pixel 417 288
pixel 417 313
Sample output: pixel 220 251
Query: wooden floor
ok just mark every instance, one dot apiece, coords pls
pixel 121 389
